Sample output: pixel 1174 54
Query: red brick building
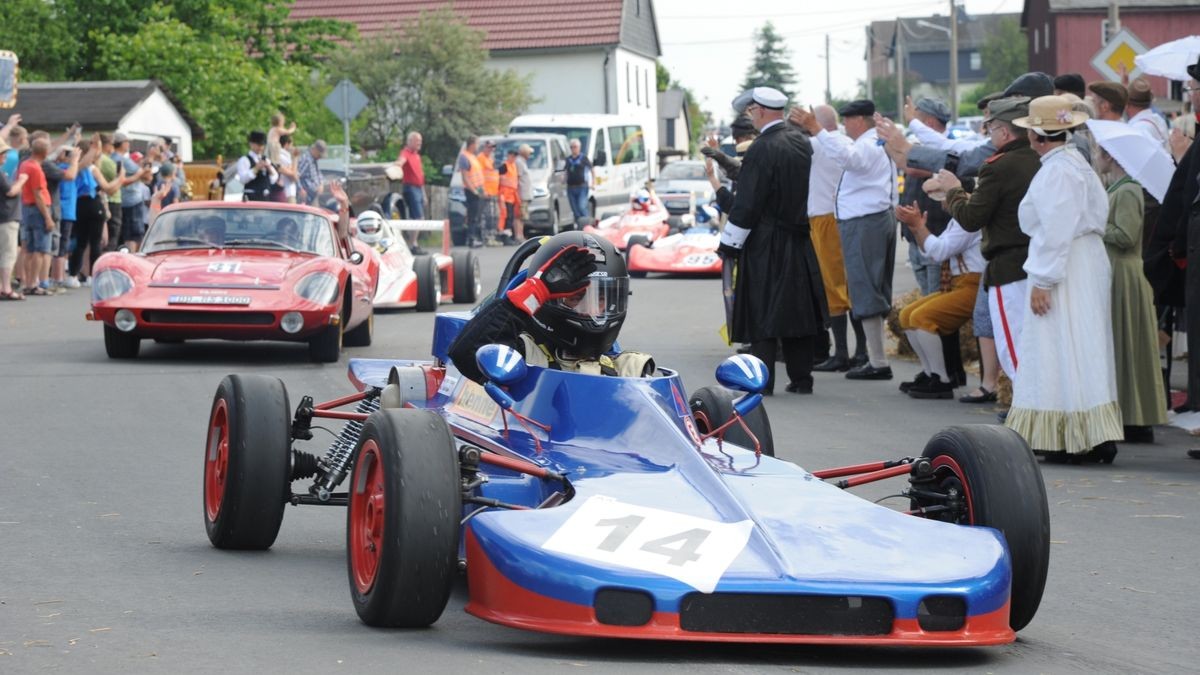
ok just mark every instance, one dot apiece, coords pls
pixel 1064 35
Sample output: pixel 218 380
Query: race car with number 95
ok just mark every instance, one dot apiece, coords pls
pixel 665 516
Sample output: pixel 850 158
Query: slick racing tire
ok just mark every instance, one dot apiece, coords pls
pixel 996 477
pixel 326 346
pixel 403 521
pixel 713 406
pixel 467 282
pixel 636 240
pixel 429 283
pixel 120 345
pixel 362 334
pixel 246 462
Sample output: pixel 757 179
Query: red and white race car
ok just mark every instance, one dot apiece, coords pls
pixel 636 224
pixel 238 271
pixel 421 281
pixel 693 251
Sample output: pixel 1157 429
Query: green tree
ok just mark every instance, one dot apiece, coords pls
pixel 430 75
pixel 228 88
pixel 1005 56
pixel 35 31
pixel 770 67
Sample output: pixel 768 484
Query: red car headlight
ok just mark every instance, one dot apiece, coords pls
pixel 110 283
pixel 319 287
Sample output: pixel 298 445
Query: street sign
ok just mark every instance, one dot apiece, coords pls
pixel 8 79
pixel 346 101
pixel 1120 51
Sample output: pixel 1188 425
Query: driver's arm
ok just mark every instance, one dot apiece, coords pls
pixel 498 321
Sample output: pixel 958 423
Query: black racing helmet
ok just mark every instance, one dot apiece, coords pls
pixel 586 324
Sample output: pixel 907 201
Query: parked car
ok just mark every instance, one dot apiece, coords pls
pixel 682 187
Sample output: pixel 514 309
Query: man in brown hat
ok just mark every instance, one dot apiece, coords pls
pixel 1108 99
pixel 1141 117
pixel 992 207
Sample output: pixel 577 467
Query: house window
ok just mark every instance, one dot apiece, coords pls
pixel 637 85
pixel 1036 35
pixel 1046 36
pixel 628 81
pixel 976 61
pixel 646 86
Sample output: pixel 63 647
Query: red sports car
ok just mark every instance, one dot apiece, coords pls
pixel 238 271
pixel 634 226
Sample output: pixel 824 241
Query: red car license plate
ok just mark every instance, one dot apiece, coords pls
pixel 209 300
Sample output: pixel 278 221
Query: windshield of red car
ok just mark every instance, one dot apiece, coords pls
pixel 241 228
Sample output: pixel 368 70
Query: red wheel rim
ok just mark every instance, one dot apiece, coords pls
pixel 948 469
pixel 366 517
pixel 216 460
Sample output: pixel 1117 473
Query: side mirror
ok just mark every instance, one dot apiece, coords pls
pixel 357 257
pixel 747 373
pixel 501 365
pixel 600 159
pixel 447 170
pixel 560 165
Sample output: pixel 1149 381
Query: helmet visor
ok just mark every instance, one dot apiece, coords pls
pixel 604 298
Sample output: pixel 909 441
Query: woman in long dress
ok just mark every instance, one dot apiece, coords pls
pixel 1135 330
pixel 1065 392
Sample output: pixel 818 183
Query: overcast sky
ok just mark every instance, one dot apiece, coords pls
pixel 708 44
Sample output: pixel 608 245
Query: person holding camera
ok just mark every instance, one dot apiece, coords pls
pixel 255 171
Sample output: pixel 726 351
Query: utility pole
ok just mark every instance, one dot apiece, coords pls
pixel 899 70
pixel 1114 20
pixel 828 95
pixel 953 61
pixel 870 60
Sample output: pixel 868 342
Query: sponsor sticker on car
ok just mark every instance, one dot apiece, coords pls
pixel 209 300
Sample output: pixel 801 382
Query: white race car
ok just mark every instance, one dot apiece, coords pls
pixel 421 281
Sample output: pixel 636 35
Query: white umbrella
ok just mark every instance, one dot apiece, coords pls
pixel 1145 161
pixel 1171 59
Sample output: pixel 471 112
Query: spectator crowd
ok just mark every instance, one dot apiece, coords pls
pixel 1040 232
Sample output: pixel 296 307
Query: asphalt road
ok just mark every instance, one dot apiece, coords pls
pixel 105 567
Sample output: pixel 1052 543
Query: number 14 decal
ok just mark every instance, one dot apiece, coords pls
pixel 685 552
pixel 696 551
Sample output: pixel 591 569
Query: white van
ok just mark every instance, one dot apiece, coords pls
pixel 615 144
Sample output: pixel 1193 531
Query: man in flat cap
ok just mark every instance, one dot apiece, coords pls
pixel 992 207
pixel 927 120
pixel 255 171
pixel 866 218
pixel 779 295
pixel 1108 100
pixel 1141 117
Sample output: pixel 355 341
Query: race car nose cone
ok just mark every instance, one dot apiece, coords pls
pixel 125 320
pixel 292 322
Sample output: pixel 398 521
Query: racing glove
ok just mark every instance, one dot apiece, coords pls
pixel 562 276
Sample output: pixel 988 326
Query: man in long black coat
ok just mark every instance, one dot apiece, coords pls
pixel 778 294
pixel 1179 218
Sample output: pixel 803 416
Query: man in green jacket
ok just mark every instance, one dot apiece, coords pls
pixel 992 207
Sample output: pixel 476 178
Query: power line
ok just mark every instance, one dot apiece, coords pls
pixel 816 30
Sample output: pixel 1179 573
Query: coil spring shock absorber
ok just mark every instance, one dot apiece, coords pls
pixel 336 462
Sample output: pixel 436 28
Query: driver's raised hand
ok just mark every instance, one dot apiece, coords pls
pixel 563 275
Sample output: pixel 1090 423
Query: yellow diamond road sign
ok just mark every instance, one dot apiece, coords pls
pixel 1119 51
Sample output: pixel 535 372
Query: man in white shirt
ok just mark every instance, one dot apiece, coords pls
pixel 866 197
pixel 255 172
pixel 944 311
pixel 822 188
pixel 1142 118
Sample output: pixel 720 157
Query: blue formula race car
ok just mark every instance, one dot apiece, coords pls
pixel 664 517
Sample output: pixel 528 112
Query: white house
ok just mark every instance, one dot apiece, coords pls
pixel 141 109
pixel 596 56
